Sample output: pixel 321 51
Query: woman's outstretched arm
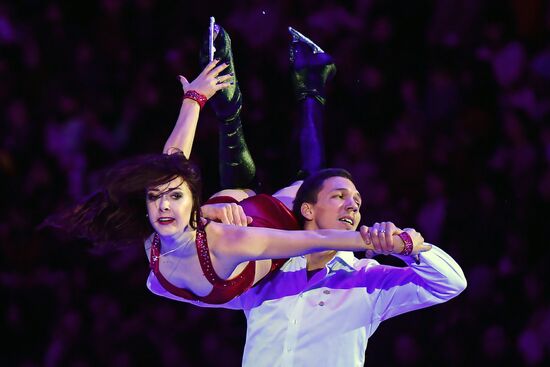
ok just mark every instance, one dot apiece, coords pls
pixel 206 84
pixel 241 244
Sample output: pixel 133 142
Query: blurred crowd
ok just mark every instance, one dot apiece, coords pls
pixel 440 109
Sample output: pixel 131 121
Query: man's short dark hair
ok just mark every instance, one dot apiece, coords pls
pixel 307 193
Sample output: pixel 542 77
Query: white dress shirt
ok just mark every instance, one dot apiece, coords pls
pixel 328 319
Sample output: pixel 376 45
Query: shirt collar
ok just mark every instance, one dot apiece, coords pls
pixel 342 259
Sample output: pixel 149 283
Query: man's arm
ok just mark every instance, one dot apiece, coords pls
pixel 436 278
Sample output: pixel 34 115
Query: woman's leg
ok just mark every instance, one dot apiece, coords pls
pixel 236 194
pixel 311 70
pixel 236 166
pixel 287 194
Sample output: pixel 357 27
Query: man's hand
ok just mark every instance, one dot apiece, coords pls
pixel 227 213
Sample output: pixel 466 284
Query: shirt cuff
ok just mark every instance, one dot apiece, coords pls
pixel 410 259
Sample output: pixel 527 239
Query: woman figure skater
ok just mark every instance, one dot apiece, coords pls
pixel 156 198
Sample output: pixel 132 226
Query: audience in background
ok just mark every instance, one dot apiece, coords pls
pixel 456 93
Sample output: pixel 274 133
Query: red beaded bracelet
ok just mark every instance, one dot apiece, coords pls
pixel 408 243
pixel 196 96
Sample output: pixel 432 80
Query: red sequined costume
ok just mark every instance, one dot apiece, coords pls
pixel 266 211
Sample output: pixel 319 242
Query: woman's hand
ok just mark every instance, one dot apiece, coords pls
pixel 208 82
pixel 381 235
pixel 418 241
pixel 385 240
pixel 227 213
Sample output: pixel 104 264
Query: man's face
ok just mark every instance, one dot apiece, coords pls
pixel 337 206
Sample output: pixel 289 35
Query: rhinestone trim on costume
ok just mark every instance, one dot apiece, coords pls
pixel 197 97
pixel 407 250
pixel 225 290
pixel 204 260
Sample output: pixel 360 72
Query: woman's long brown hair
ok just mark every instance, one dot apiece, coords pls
pixel 116 214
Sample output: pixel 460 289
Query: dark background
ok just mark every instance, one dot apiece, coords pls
pixel 440 109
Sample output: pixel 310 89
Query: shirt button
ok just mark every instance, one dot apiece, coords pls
pixel 321 303
pixel 326 291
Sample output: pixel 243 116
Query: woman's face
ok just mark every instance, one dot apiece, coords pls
pixel 169 207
